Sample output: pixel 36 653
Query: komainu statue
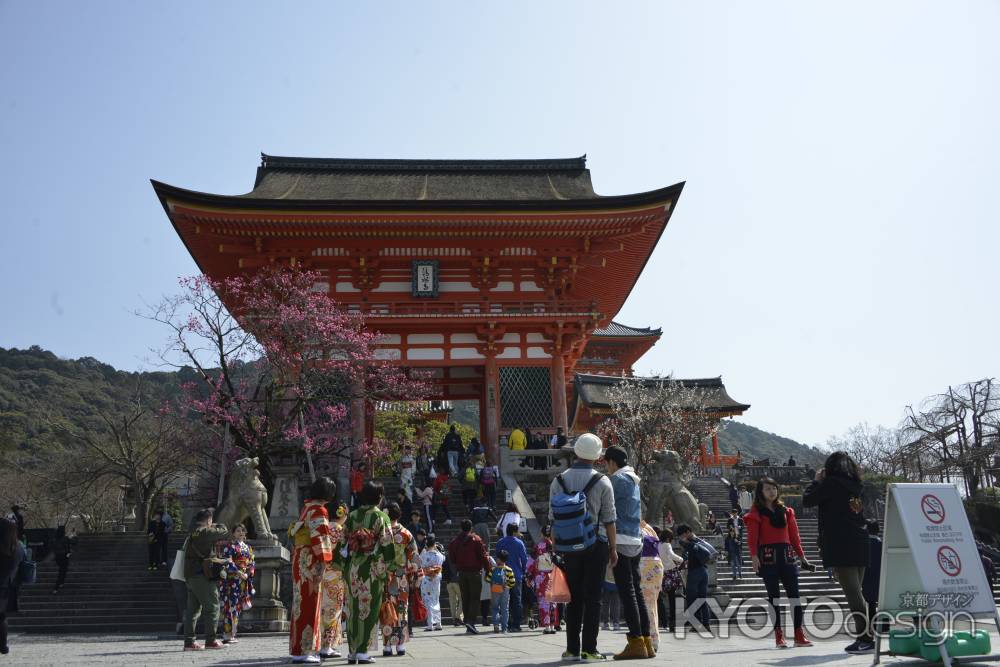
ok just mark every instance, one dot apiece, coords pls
pixel 247 498
pixel 664 490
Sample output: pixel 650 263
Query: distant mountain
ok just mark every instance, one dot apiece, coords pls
pixel 753 443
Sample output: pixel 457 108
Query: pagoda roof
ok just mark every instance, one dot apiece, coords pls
pixel 593 392
pixel 618 330
pixel 310 183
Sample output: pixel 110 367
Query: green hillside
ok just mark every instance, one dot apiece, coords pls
pixel 753 443
pixel 36 385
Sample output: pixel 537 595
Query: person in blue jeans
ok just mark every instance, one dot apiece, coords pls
pixel 517 559
pixel 501 584
pixel 697 559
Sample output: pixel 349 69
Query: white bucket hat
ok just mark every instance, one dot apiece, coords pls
pixel 588 447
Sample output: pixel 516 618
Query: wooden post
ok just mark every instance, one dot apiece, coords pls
pixel 492 407
pixel 557 378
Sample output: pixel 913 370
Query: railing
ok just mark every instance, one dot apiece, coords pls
pixel 510 462
pixel 780 474
pixel 472 308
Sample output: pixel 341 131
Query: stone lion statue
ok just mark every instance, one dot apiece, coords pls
pixel 247 499
pixel 665 490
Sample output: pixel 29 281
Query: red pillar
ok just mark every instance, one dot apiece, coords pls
pixel 715 448
pixel 557 378
pixel 492 407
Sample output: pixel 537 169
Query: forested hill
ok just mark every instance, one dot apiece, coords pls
pixel 753 443
pixel 37 386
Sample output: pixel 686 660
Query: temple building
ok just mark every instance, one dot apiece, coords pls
pixel 499 277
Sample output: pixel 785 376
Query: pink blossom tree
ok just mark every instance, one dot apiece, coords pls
pixel 277 361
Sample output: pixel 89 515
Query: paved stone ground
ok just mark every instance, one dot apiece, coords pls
pixel 449 647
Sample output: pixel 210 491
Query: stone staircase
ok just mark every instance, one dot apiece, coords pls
pixel 715 493
pixel 108 590
pixel 445 534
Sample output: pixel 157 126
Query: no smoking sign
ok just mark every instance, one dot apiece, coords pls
pixel 933 508
pixel 949 562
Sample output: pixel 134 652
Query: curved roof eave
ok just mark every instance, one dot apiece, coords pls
pixel 165 191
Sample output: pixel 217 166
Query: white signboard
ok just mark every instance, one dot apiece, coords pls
pixel 929 557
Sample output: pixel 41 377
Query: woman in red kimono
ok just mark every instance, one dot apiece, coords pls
pixel 313 554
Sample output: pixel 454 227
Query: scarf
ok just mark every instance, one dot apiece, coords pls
pixel 777 516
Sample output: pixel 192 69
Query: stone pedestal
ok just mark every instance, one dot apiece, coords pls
pixel 268 614
pixel 286 504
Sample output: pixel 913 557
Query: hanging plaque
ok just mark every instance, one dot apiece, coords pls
pixel 425 278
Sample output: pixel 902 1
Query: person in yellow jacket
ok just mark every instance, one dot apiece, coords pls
pixel 517 440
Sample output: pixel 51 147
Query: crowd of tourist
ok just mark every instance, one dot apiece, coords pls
pixel 373 571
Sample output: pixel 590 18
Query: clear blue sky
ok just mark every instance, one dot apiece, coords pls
pixel 833 255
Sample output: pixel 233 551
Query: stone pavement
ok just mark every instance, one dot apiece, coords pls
pixel 449 647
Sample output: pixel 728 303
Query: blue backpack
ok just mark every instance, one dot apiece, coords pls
pixel 572 527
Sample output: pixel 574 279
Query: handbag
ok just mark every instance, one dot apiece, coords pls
pixel 672 580
pixel 387 614
pixel 419 609
pixel 558 591
pixel 27 572
pixel 177 571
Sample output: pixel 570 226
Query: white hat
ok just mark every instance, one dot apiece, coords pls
pixel 588 447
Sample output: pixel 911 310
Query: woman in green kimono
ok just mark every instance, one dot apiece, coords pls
pixel 370 554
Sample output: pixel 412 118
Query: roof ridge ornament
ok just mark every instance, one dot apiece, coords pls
pixel 279 162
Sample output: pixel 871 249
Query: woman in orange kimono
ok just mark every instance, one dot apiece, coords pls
pixel 334 590
pixel 313 554
pixel 403 574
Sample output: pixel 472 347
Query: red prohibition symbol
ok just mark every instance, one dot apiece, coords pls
pixel 933 508
pixel 949 562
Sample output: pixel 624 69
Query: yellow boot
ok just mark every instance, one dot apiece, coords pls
pixel 634 650
pixel 650 651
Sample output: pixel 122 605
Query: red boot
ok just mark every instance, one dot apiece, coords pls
pixel 779 638
pixel 800 638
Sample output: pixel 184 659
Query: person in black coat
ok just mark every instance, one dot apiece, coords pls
pixel 843 536
pixel 11 555
pixel 62 549
pixel 156 532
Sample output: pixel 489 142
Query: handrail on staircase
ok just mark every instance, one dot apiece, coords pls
pixel 511 461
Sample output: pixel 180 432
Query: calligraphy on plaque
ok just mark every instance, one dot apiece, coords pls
pixel 425 278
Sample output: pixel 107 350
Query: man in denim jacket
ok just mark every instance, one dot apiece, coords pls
pixel 628 505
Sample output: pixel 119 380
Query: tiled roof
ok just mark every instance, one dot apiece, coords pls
pixel 617 329
pixel 593 391
pixel 303 178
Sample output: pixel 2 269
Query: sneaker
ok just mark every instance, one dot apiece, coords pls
pixel 194 647
pixel 861 647
pixel 448 522
pixel 570 656
pixel 438 627
pixel 328 653
pixel 428 629
pixel 591 657
pixel 496 628
pixel 401 651
pixel 606 626
pixel 215 643
pixel 470 629
pixel 617 626
pixel 387 653
pixel 306 660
